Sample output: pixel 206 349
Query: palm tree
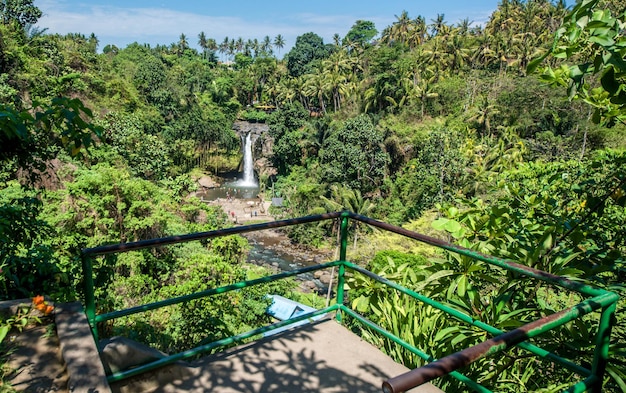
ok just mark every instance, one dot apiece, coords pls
pixel 202 41
pixel 464 26
pixel 247 47
pixel 239 45
pixel 279 43
pixel 458 53
pixel 352 200
pixel 418 32
pixel 402 27
pixel 266 45
pixel 286 90
pixel 337 70
pixel 483 114
pixel 211 44
pixel 425 90
pixel 183 44
pixel 232 48
pixel 337 40
pixel 223 47
pixel 316 86
pixel 439 25
pixel 399 31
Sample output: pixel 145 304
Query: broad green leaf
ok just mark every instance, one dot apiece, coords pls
pixel 546 241
pixel 440 223
pixel 361 304
pixel 459 338
pixel 570 273
pixel 594 24
pixel 608 81
pixel 602 40
pixel 532 66
pixel 475 267
pixel 597 116
pixel 4 330
pixel 444 333
pixel 462 285
pixel 453 226
pixel 505 317
pixel 568 259
pixel 440 274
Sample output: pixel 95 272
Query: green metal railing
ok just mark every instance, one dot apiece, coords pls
pixel 598 299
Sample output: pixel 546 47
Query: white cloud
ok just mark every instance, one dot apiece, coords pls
pixel 140 23
pixel 159 25
pixel 121 26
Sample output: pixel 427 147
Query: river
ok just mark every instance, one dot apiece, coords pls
pixel 273 249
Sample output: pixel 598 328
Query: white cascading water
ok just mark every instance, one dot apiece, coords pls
pixel 248 168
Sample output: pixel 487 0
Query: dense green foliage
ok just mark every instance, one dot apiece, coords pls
pixel 422 120
pixel 592 37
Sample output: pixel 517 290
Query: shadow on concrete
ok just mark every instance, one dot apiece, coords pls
pixel 320 357
pixel 35 361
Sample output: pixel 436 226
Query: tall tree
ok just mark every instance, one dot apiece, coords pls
pixel 309 47
pixel 353 155
pixel 439 25
pixel 401 27
pixel 202 41
pixel 23 12
pixel 223 47
pixel 183 44
pixel 279 42
pixel 361 33
pixel 352 200
pixel 239 44
pixel 266 45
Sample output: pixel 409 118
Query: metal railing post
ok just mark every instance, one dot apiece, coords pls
pixel 603 340
pixel 90 301
pixel 342 258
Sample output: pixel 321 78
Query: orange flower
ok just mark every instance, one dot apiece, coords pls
pixel 48 310
pixel 37 300
pixel 41 307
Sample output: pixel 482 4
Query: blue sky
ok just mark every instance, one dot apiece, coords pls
pixel 162 21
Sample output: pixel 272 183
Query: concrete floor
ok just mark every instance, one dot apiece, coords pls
pixel 35 361
pixel 323 358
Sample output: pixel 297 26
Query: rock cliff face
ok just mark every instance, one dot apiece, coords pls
pixel 261 141
pixel 261 145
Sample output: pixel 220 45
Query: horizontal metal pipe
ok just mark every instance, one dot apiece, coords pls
pixel 113 248
pixel 474 322
pixel 582 386
pixel 412 349
pixel 216 344
pixel 493 345
pixel 210 292
pixel 503 263
pixel 497 344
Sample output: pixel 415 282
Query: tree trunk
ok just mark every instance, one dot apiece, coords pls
pixel 582 152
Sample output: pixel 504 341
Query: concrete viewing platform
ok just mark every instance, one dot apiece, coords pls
pixel 319 357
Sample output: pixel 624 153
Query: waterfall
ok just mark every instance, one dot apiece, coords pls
pixel 248 165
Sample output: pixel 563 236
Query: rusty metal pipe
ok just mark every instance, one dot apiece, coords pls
pixel 206 235
pixel 496 344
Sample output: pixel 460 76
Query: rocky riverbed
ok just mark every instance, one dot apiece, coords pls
pixel 274 250
pixel 270 248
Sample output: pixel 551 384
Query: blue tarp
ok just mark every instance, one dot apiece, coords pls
pixel 283 309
